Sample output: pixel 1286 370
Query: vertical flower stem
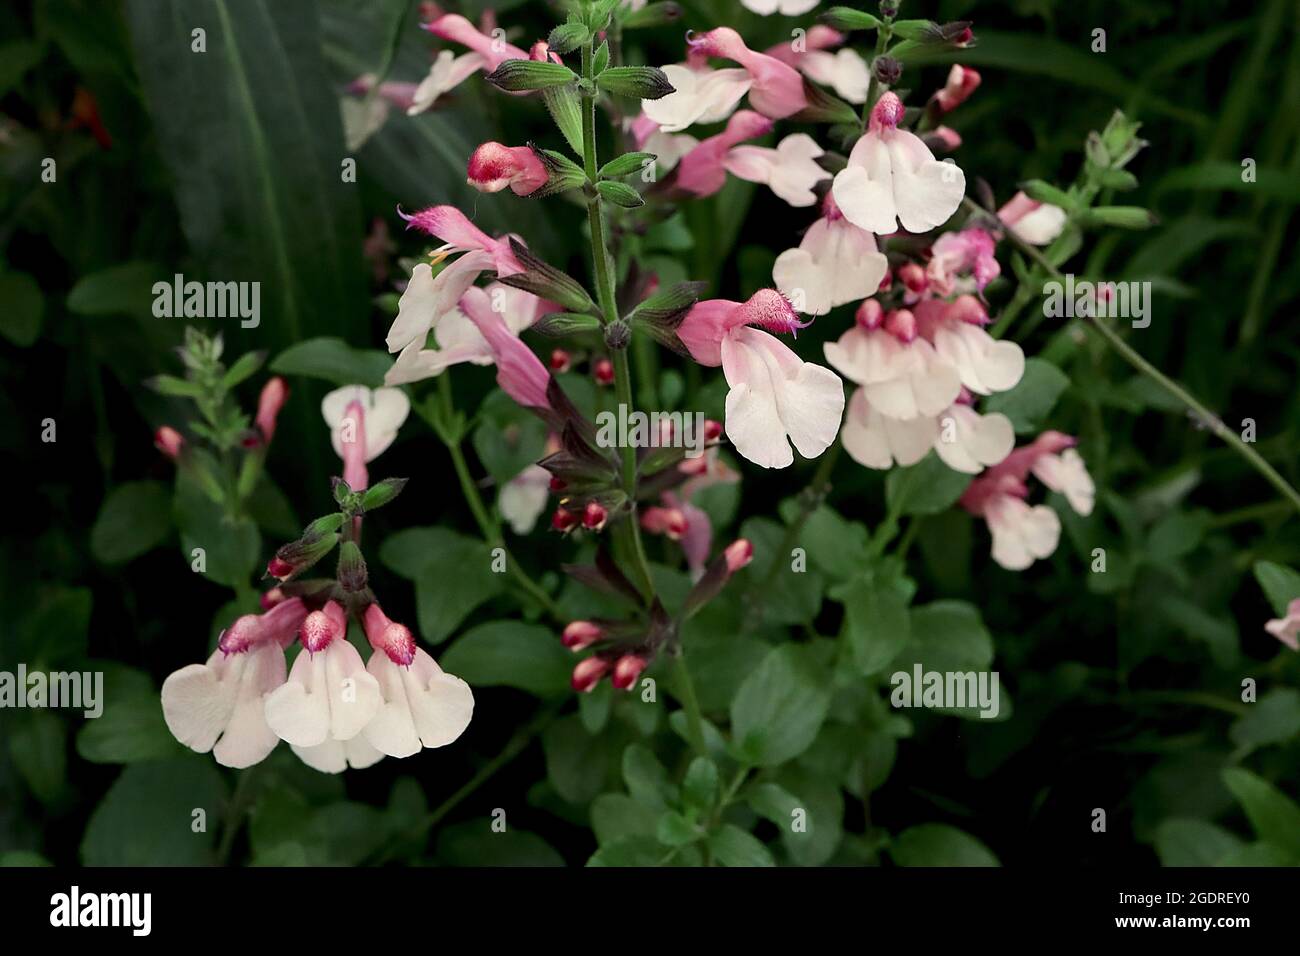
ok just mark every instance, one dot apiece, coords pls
pixel 1131 355
pixel 629 529
pixel 690 704
pixel 874 90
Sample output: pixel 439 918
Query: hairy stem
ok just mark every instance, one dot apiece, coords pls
pixel 1130 355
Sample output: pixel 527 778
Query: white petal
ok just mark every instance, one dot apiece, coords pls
pixel 968 441
pixel 198 700
pixel 1041 226
pixel 866 202
pixel 385 411
pixel 1066 473
pixel 927 192
pixel 353 693
pixel 441 704
pixel 986 365
pixel 775 395
pixel 699 96
pixel 392 731
pixel 1021 534
pixel 523 498
pixel 298 711
pixel 248 739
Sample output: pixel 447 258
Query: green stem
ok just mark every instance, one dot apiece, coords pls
pixel 1130 355
pixel 487 525
pixel 691 704
pixel 874 90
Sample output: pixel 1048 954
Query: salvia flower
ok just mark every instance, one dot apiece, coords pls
pixel 219 706
pixel 790 170
pixel 702 171
pixel 1037 223
pixel 1287 628
pixel 700 95
pixel 363 423
pixel 494 167
pixel 776 398
pixel 835 263
pixel 776 89
pixel 169 441
pixel 892 177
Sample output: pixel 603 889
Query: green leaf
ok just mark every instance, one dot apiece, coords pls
pixel 647 780
pixel 637 82
pixel 732 846
pixel 674 829
pixel 150 814
pixel 1281 585
pixel 452 573
pixel 131 728
pixel 508 438
pixel 511 654
pixel 937 844
pixel 22 858
pixel 134 519
pixel 789 596
pixel 925 488
pixel 1273 719
pixel 475 843
pixel 812 837
pixel 947 636
pixel 334 361
pixel 1275 817
pixel 779 708
pixel 1183 842
pixel 629 851
pixel 231 547
pixel 876 623
pixel 125 289
pixel 565 106
pixel 252 136
pixel 700 785
pixel 578 765
pixel 1032 399
pixel 774 803
pixel 615 816
pixel 24 307
pixel 39 748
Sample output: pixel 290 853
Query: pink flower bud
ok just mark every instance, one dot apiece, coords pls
pixel 626 670
pixel 913 277
pixel 668 521
pixel 712 429
pixel 886 281
pixel 594 516
pixel 967 308
pixel 560 361
pixel 901 324
pixel 168 441
pixel 603 372
pixel 870 314
pixel 241 635
pixel 588 674
pixel 271 598
pixel 277 567
pixel 274 394
pixel 962 82
pixel 493 167
pixel 942 139
pixel 580 634
pixel 558 484
pixel 387 636
pixel 738 554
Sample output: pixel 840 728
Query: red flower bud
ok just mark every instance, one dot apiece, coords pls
pixel 588 674
pixel 626 670
pixel 870 314
pixel 738 554
pixel 168 441
pixel 594 515
pixel 712 430
pixel 560 361
pixel 913 276
pixel 563 520
pixel 580 634
pixel 603 372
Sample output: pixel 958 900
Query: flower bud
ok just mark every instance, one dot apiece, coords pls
pixel 594 516
pixel 888 70
pixel 588 674
pixel 560 361
pixel 913 278
pixel 169 441
pixel 901 324
pixel 603 372
pixel 617 335
pixel 241 635
pixel 712 429
pixel 580 634
pixel 274 394
pixel 626 670
pixel 493 167
pixel 870 314
pixel 563 520
pixel 352 568
pixel 738 554
pixel 271 598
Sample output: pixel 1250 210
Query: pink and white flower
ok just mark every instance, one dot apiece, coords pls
pixel 787 8
pixel 1287 628
pixel 776 398
pixel 983 363
pixel 363 423
pixel 892 177
pixel 523 498
pixel 776 89
pixel 700 95
pixel 421 705
pixel 901 374
pixel 836 263
pixel 447 72
pixel 961 262
pixel 520 373
pixel 428 298
pixel 494 167
pixel 961 83
pixel 703 170
pixel 220 706
pixel 493 49
pixel 970 442
pixel 844 71
pixel 1023 533
pixel 1037 223
pixel 668 148
pixel 328 699
pixel 790 170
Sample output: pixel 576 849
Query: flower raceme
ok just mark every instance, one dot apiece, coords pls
pixel 776 398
